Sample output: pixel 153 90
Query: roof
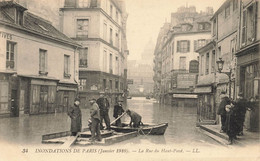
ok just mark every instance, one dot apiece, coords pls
pixel 33 23
pixel 221 8
pixel 11 4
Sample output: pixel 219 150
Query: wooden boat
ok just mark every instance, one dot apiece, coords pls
pixel 145 129
pixel 66 140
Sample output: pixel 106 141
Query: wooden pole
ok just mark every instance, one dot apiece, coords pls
pixel 118 118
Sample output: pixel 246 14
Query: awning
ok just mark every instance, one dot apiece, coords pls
pixel 207 89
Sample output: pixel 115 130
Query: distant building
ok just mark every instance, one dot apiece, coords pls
pixel 190 31
pixel 141 72
pixel 100 27
pixel 38 64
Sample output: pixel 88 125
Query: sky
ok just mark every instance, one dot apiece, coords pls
pixel 146 17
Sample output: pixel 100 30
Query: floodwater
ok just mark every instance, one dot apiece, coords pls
pixel 25 130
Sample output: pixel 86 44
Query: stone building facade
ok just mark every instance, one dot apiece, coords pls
pixel 100 27
pixel 38 64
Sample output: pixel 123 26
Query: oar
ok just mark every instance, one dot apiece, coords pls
pixel 118 118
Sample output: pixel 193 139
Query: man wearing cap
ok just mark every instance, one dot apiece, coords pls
pixel 222 111
pixel 95 120
pixel 118 110
pixel 103 105
pixel 75 115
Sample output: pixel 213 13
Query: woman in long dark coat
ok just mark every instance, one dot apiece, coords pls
pixel 75 115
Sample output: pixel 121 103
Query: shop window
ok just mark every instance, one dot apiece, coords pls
pixel 43 65
pixel 67 66
pixel 83 58
pixel 10 55
pixel 82 27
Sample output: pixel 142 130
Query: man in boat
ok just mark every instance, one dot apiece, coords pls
pixel 135 118
pixel 103 105
pixel 75 115
pixel 95 120
pixel 118 111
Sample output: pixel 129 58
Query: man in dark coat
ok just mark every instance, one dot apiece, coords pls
pixel 135 118
pixel 75 115
pixel 95 120
pixel 241 105
pixel 222 111
pixel 103 104
pixel 231 123
pixel 118 111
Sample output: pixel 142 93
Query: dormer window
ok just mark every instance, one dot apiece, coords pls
pixel 204 26
pixel 19 17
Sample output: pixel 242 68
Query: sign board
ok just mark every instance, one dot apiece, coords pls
pixel 185 96
pixel 130 81
pixel 186 80
pixel 194 66
pixel 203 89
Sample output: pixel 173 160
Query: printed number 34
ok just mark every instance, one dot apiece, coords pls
pixel 25 151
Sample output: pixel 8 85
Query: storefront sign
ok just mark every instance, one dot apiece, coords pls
pixel 185 96
pixel 5 35
pixel 203 89
pixel 186 80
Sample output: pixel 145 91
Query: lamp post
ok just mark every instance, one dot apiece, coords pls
pixel 220 64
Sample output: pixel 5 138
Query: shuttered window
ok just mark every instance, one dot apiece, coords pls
pixel 183 46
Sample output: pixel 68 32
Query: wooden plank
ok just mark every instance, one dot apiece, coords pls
pixel 71 140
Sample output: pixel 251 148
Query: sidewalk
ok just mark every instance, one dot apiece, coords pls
pixel 248 139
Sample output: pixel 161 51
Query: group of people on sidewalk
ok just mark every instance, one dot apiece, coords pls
pixel 233 115
pixel 99 111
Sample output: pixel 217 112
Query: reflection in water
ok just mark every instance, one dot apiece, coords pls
pixel 181 130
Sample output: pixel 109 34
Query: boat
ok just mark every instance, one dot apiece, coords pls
pixel 82 139
pixel 145 129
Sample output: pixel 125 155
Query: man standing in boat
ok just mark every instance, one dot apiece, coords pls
pixel 118 111
pixel 135 118
pixel 75 115
pixel 95 120
pixel 103 105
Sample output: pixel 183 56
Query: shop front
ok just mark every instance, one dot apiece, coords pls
pixel 206 109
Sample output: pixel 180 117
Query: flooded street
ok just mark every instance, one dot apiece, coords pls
pixel 181 129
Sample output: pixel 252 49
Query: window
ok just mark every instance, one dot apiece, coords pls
pixel 104 84
pixel 207 63
pixel 111 10
pixel 82 27
pixel 202 65
pixel 213 61
pixel 110 84
pixel 183 46
pixel 117 40
pixel 83 58
pixel 203 26
pixel 199 43
pixel 249 24
pixel 172 47
pixel 182 64
pixel 105 32
pixel 116 84
pixel 111 36
pixel 219 51
pixel 214 27
pixel 67 66
pixel 43 62
pixel 83 3
pixel 19 17
pixel 111 64
pixel 235 5
pixel 116 16
pixel 105 61
pixel 227 10
pixel 10 54
pixel 82 82
pixel 117 65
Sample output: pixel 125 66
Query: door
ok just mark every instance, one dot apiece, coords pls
pixel 43 99
pixel 14 105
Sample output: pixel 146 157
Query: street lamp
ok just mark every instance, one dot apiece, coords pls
pixel 220 64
